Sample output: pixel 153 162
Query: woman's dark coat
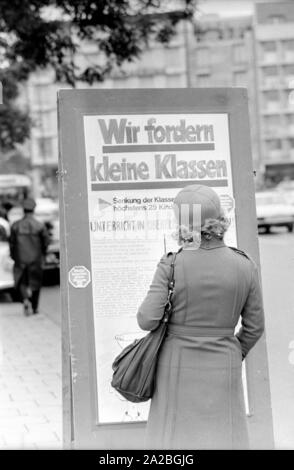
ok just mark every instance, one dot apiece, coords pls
pixel 198 401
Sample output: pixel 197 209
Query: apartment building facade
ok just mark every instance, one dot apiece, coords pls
pixel 274 43
pixel 222 54
pixel 256 52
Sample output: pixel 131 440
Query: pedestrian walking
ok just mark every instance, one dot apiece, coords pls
pixel 198 401
pixel 28 241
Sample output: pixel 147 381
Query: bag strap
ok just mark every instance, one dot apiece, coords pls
pixel 171 286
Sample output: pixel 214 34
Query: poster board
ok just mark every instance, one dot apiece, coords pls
pixel 124 155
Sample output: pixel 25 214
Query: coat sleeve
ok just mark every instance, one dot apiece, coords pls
pixel 252 315
pixel 45 239
pixel 12 243
pixel 152 308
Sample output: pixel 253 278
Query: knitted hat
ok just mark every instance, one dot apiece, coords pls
pixel 191 199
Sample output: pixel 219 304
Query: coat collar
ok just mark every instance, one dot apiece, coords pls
pixel 207 244
pixel 212 243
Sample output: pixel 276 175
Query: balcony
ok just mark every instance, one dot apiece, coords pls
pixel 272 107
pixel 273 132
pixel 288 57
pixel 272 83
pixel 268 59
pixel 288 81
pixel 279 131
pixel 170 70
pixel 203 68
pixel 288 106
pixel 275 155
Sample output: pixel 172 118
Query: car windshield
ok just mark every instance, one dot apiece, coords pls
pixel 269 199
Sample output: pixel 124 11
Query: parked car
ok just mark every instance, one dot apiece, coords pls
pixel 6 266
pixel 287 188
pixel 47 212
pixel 273 210
pixel 286 185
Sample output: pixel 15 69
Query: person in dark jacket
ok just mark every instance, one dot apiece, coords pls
pixel 28 242
pixel 198 401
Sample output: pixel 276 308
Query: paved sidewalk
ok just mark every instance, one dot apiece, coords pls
pixel 30 380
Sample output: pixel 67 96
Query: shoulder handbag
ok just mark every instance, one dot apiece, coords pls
pixel 134 369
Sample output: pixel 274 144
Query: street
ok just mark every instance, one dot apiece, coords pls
pixel 50 303
pixel 277 261
pixel 277 265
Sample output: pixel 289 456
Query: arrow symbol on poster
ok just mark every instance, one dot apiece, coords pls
pixel 227 202
pixel 103 204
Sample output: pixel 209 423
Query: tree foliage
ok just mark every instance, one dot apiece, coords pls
pixel 40 33
pixel 15 162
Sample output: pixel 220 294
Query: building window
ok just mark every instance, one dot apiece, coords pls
pixel 173 58
pixel 176 81
pixel 271 95
pixel 276 19
pixel 268 52
pixel 212 35
pixel 271 100
pixel 274 144
pixel 290 119
pixel 44 95
pixel 45 148
pixel 269 46
pixel 289 45
pixel 270 71
pixel 147 81
pixel 291 143
pixel 288 70
pixel 133 81
pixel 160 81
pixel 46 121
pixel 239 53
pixel 240 79
pixel 288 50
pixel 271 123
pixel 270 77
pixel 203 56
pixel 203 80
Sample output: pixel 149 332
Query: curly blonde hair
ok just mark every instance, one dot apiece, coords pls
pixel 215 228
pixel 212 228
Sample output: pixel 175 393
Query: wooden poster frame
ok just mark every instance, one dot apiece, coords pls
pixel 81 431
